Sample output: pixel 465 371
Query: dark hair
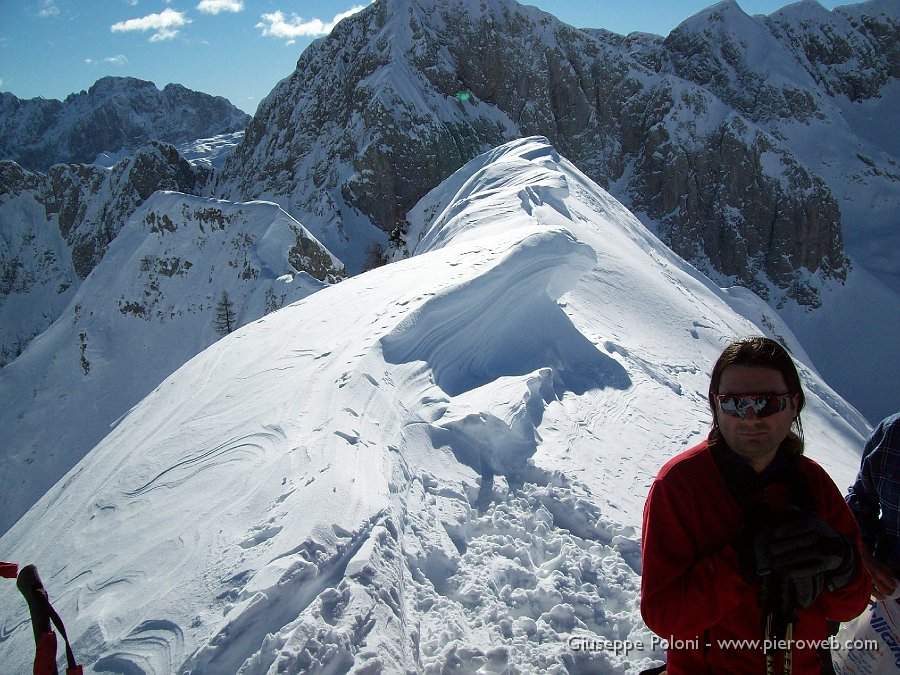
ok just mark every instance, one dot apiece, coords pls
pixel 759 352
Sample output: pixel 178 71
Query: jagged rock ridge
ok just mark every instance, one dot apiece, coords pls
pixel 687 130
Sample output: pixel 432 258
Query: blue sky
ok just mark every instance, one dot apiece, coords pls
pixel 234 48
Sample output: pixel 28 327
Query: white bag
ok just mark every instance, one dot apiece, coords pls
pixel 870 644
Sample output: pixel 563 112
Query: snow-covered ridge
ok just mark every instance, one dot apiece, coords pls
pixel 437 464
pixel 758 147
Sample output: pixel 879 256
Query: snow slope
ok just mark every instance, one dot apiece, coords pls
pixel 438 464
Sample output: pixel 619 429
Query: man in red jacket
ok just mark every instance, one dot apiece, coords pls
pixel 749 550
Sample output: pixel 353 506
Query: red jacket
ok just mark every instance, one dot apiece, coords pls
pixel 692 592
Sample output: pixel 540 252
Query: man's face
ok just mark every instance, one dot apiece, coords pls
pixel 756 439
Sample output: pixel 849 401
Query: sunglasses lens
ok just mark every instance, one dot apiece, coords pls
pixel 763 406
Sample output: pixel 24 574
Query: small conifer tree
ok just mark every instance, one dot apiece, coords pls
pixel 226 320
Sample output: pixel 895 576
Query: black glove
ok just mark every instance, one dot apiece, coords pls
pixel 803 546
pixel 803 591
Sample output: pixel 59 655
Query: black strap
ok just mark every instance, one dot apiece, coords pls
pixel 57 621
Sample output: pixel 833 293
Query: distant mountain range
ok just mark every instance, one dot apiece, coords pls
pixel 116 113
pixel 760 149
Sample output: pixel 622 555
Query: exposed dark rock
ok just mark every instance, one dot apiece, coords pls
pixel 684 129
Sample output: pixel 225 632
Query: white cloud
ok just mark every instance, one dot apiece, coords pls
pixel 277 25
pixel 216 6
pixel 118 60
pixel 163 34
pixel 48 9
pixel 165 24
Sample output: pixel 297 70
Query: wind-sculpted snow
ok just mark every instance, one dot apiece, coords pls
pixel 507 323
pixel 438 465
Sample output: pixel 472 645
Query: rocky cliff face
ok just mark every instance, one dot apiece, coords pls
pixel 795 85
pixel 115 114
pixel 696 132
pixel 357 134
pixel 853 51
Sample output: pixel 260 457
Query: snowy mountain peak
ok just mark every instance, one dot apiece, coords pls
pixel 740 44
pixel 115 87
pixel 802 10
pixel 724 10
pixel 725 16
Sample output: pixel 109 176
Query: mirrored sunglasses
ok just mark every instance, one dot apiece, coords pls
pixel 737 405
